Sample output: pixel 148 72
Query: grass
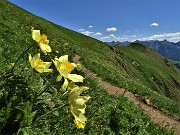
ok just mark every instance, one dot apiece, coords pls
pixel 155 80
pixel 106 114
pixel 110 64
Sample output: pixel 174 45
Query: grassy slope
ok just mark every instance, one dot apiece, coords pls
pixel 156 72
pixel 15 36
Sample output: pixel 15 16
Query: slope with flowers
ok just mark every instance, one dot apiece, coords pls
pixel 38 100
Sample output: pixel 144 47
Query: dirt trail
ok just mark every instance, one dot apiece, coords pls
pixel 156 115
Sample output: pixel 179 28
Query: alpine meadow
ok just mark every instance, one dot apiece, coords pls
pixel 52 81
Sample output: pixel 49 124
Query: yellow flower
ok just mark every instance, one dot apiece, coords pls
pixel 12 64
pixel 79 118
pixel 79 66
pixel 79 123
pixel 77 105
pixel 41 40
pixel 64 67
pixel 147 100
pixel 38 64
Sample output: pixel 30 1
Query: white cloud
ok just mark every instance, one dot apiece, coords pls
pixel 106 37
pixel 91 26
pixel 87 33
pixel 154 24
pixel 112 29
pixel 176 39
pixel 98 34
pixel 81 30
pixel 112 35
pixel 168 36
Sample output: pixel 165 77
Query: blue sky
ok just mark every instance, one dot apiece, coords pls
pixel 112 20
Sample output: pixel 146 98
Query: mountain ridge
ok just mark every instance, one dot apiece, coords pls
pixel 168 49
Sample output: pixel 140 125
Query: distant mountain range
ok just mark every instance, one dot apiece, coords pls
pixel 167 49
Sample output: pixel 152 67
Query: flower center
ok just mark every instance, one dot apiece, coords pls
pixel 43 38
pixel 68 66
pixel 38 62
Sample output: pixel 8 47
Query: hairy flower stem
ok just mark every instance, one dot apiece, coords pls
pixel 47 114
pixel 23 53
pixel 46 89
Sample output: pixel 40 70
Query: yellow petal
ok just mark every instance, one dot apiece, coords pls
pixel 65 68
pixel 75 78
pixel 36 35
pixel 80 103
pixel 47 42
pixel 30 61
pixel 77 105
pixel 74 65
pixel 12 64
pixel 46 64
pixel 148 101
pixel 79 67
pixel 38 64
pixel 82 110
pixel 75 94
pixel 64 58
pixel 79 119
pixel 36 60
pixel 65 85
pixel 59 78
pixel 82 100
pixel 45 48
pixel 33 60
pixel 43 67
pixel 42 70
pixel 79 124
pixel 56 63
pixel 72 86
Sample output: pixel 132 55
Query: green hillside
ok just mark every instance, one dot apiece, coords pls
pixel 136 67
pixel 153 70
